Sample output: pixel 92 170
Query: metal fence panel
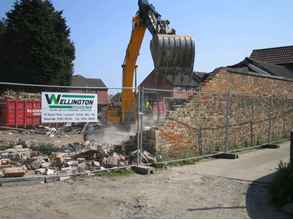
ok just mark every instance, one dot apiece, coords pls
pixel 66 148
pixel 166 125
pixel 199 123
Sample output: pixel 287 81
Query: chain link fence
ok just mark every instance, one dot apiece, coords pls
pixel 193 123
pixel 165 125
pixel 66 148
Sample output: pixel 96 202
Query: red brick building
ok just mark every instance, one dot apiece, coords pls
pixel 180 85
pixel 281 56
pixel 94 86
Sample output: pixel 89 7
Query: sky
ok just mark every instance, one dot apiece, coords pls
pixel 225 31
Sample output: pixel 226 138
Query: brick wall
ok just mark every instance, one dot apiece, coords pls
pixel 231 107
pixel 154 81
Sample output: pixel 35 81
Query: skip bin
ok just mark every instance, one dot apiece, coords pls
pixel 20 113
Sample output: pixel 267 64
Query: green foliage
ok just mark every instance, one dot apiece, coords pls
pixel 35 46
pixel 259 140
pixel 116 173
pixel 160 165
pixel 2 33
pixel 4 147
pixel 184 162
pixel 2 27
pixel 281 188
pixel 46 149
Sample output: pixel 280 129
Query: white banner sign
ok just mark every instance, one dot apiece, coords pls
pixel 58 107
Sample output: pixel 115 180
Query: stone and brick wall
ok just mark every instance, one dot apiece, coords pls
pixel 248 109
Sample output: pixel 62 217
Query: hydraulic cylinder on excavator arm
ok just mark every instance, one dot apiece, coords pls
pixel 169 51
pixel 129 65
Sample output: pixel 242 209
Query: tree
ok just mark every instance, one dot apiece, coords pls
pixel 37 48
pixel 2 48
pixel 2 27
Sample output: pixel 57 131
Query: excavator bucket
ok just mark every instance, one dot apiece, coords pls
pixel 173 52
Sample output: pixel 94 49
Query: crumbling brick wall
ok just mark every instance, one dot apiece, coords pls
pixel 232 109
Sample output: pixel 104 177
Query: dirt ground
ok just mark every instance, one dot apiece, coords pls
pixel 174 193
pixel 12 137
pixel 209 189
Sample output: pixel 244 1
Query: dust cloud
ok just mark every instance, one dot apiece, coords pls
pixel 110 135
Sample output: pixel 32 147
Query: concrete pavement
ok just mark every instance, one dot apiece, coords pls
pixel 250 166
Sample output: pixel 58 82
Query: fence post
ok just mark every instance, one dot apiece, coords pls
pixel 291 147
pixel 158 106
pixel 251 123
pixel 270 121
pixel 284 115
pixel 138 127
pixel 141 114
pixel 227 122
pixel 199 140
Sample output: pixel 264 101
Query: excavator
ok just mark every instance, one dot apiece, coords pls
pixel 169 51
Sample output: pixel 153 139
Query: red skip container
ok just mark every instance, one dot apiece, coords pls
pixel 20 113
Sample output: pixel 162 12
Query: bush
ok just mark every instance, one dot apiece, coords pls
pixel 4 147
pixel 46 149
pixel 116 173
pixel 281 188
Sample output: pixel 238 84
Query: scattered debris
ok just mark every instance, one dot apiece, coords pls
pixel 25 157
pixel 114 160
pixel 70 159
pixel 51 132
pixel 41 171
pixel 269 146
pixel 229 156
pixel 20 95
pixel 145 156
pixel 14 172
pixel 144 170
pixel 75 147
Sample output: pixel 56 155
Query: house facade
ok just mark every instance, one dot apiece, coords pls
pixel 282 56
pixel 179 85
pixel 91 85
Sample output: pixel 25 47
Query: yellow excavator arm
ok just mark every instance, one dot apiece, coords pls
pixel 169 51
pixel 129 65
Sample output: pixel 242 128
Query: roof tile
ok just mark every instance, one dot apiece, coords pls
pixel 81 81
pixel 277 55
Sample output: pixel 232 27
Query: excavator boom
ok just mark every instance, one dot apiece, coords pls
pixel 169 52
pixel 129 65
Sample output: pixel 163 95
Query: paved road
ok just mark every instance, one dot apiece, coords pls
pixel 211 189
pixel 250 166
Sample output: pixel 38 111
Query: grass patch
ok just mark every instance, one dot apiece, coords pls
pixel 46 149
pixel 281 189
pixel 4 148
pixel 280 141
pixel 175 163
pixel 183 162
pixel 160 165
pixel 116 173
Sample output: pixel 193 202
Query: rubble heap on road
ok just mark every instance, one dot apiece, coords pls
pixel 70 159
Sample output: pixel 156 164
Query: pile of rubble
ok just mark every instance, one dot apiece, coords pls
pixel 70 159
pixel 19 95
pixel 67 129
